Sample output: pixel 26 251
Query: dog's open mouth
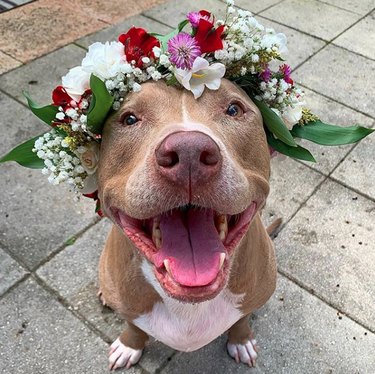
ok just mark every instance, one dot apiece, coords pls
pixel 190 247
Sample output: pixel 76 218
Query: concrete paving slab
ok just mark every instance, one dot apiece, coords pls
pixel 10 271
pixel 18 123
pixel 7 63
pixel 312 16
pixel 175 11
pixel 357 170
pixel 360 38
pixel 39 217
pixel 331 112
pixel 113 32
pixel 291 183
pixel 73 274
pixel 327 247
pixel 41 76
pixel 292 339
pixel 256 6
pixel 39 336
pixel 342 76
pixel 300 45
pixel 361 7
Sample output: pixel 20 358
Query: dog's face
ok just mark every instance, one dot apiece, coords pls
pixel 183 178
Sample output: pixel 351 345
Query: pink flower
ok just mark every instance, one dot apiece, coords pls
pixel 183 50
pixel 266 75
pixel 286 71
pixel 194 17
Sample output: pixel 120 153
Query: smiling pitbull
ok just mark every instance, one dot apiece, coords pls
pixel 188 257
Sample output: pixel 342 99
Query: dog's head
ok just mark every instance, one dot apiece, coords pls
pixel 184 178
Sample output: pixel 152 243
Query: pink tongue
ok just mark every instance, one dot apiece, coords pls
pixel 192 245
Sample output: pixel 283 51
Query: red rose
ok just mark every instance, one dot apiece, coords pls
pixel 138 43
pixel 209 38
pixel 61 98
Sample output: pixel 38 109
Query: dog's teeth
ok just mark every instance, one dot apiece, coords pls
pixel 222 226
pixel 156 233
pixel 222 235
pixel 166 265
pixel 222 259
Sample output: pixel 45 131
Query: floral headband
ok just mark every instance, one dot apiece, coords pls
pixel 238 48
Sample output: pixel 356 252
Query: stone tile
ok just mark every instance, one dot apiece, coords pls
pixel 116 10
pixel 361 7
pixel 323 20
pixel 77 265
pixel 44 26
pixel 39 336
pixel 327 247
pixel 300 45
pixel 256 6
pixel 291 340
pixel 36 217
pixel 175 11
pixel 7 63
pixel 10 271
pixel 357 170
pixel 112 33
pixel 331 112
pixel 41 76
pixel 346 80
pixel 360 38
pixel 291 183
pixel 73 274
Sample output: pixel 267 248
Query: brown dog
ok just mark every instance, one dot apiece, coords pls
pixel 188 257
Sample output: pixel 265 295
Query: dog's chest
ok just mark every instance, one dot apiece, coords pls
pixel 187 327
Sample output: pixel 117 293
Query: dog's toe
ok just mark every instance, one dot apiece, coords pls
pixel 101 298
pixel 122 356
pixel 246 353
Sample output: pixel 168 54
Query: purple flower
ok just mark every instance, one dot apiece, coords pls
pixel 183 50
pixel 194 17
pixel 266 75
pixel 286 71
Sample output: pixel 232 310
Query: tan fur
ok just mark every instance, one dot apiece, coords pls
pixel 129 180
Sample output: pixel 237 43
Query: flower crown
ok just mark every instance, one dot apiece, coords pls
pixel 238 48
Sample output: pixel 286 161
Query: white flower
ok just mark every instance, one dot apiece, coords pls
pixel 136 87
pixel 89 157
pixel 76 82
pixel 202 74
pixel 104 60
pixel 270 40
pixel 60 115
pixel 291 115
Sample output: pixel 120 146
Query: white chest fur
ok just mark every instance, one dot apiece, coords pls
pixel 187 327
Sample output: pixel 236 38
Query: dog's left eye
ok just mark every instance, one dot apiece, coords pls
pixel 234 110
pixel 130 119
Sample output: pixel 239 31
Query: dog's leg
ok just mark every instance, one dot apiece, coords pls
pixel 127 349
pixel 241 344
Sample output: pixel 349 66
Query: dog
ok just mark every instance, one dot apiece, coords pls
pixel 188 257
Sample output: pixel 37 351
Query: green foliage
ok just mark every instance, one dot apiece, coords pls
pixel 46 113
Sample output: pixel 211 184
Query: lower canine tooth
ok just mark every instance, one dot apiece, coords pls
pixel 222 235
pixel 166 265
pixel 156 237
pixel 222 259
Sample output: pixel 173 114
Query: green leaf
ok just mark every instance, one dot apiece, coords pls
pixel 46 113
pixel 24 155
pixel 163 39
pixel 100 106
pixel 297 152
pixel 275 124
pixel 71 241
pixel 325 134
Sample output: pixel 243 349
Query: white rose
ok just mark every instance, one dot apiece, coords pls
pixel 76 82
pixel 104 60
pixel 89 157
pixel 292 115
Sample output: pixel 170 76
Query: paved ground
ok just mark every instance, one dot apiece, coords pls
pixel 321 318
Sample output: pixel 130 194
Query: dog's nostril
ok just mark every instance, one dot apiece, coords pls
pixel 209 158
pixel 168 159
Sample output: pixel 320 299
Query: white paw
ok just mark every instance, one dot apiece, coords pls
pixel 120 355
pixel 246 353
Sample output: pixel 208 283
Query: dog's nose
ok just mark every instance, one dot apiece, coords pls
pixel 188 158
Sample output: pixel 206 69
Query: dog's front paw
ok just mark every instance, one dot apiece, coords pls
pixel 120 355
pixel 246 353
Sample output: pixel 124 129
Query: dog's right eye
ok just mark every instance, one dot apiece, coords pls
pixel 130 119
